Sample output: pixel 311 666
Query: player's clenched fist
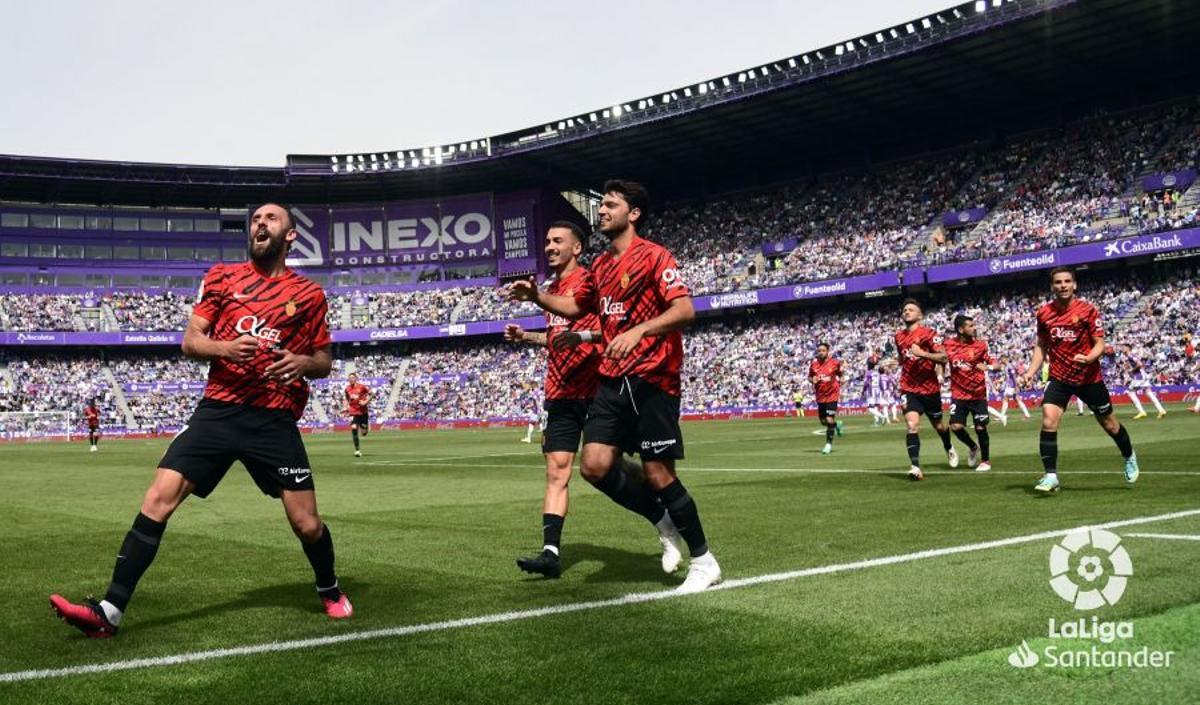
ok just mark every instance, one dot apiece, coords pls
pixel 241 349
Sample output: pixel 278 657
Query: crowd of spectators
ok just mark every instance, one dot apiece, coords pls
pixel 735 362
pixel 140 310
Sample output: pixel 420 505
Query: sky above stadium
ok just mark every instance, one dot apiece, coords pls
pixel 246 83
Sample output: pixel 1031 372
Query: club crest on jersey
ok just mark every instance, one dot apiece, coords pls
pixel 625 280
pixel 290 308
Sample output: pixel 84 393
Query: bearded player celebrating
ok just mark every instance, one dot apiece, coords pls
pixel 920 351
pixel 262 328
pixel 1069 333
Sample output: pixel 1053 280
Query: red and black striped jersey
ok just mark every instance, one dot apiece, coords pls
pixel 92 415
pixel 358 396
pixel 967 381
pixel 1067 332
pixel 635 288
pixel 284 312
pixel 571 373
pixel 826 380
pixel 918 375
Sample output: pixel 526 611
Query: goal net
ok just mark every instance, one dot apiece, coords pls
pixel 36 425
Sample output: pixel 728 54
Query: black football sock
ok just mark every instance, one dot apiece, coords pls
pixel 962 435
pixel 1122 440
pixel 913 442
pixel 354 435
pixel 320 557
pixel 552 526
pixel 634 496
pixel 1048 447
pixel 137 553
pixel 829 434
pixel 685 516
pixel 985 443
pixel 945 436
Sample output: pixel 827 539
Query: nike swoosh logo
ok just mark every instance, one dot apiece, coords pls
pixel 120 557
pixel 239 297
pixel 301 479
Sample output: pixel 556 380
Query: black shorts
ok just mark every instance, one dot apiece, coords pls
pixel 564 424
pixel 361 420
pixel 635 416
pixel 826 410
pixel 266 441
pixel 927 404
pixel 976 408
pixel 1094 395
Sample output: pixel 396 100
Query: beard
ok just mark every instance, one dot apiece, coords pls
pixel 267 254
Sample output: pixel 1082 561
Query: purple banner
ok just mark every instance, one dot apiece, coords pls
pixel 311 247
pixel 912 276
pixel 798 292
pixel 1172 179
pixel 963 218
pixel 1079 254
pixel 122 338
pixel 516 224
pixel 452 330
pixel 780 248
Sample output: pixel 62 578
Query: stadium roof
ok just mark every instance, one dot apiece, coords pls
pixel 975 71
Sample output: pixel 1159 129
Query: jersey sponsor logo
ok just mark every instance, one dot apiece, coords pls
pixel 608 307
pixel 257 328
pixel 556 321
pixel 671 277
pixel 1064 333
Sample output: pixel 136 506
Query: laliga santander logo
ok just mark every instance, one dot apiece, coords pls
pixel 1090 584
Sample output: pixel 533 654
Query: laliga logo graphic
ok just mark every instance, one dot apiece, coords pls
pixel 1083 586
pixel 964 216
pixel 995 265
pixel 306 249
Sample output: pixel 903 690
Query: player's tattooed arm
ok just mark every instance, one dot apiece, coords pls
pixel 938 356
pixel 568 339
pixel 525 290
pixel 516 334
pixel 198 346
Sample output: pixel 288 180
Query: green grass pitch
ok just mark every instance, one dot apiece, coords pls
pixel 427 526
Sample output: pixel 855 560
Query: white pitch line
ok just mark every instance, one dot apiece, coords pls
pixel 1175 537
pixel 521 615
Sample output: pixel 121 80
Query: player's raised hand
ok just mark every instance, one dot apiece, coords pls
pixel 624 344
pixel 241 349
pixel 522 290
pixel 915 350
pixel 514 333
pixel 566 339
pixel 288 368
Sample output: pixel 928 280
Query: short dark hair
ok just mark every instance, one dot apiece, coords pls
pixel 823 345
pixel 961 320
pixel 286 209
pixel 914 302
pixel 635 195
pixel 573 227
pixel 1060 270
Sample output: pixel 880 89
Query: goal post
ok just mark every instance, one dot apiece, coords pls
pixel 36 425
